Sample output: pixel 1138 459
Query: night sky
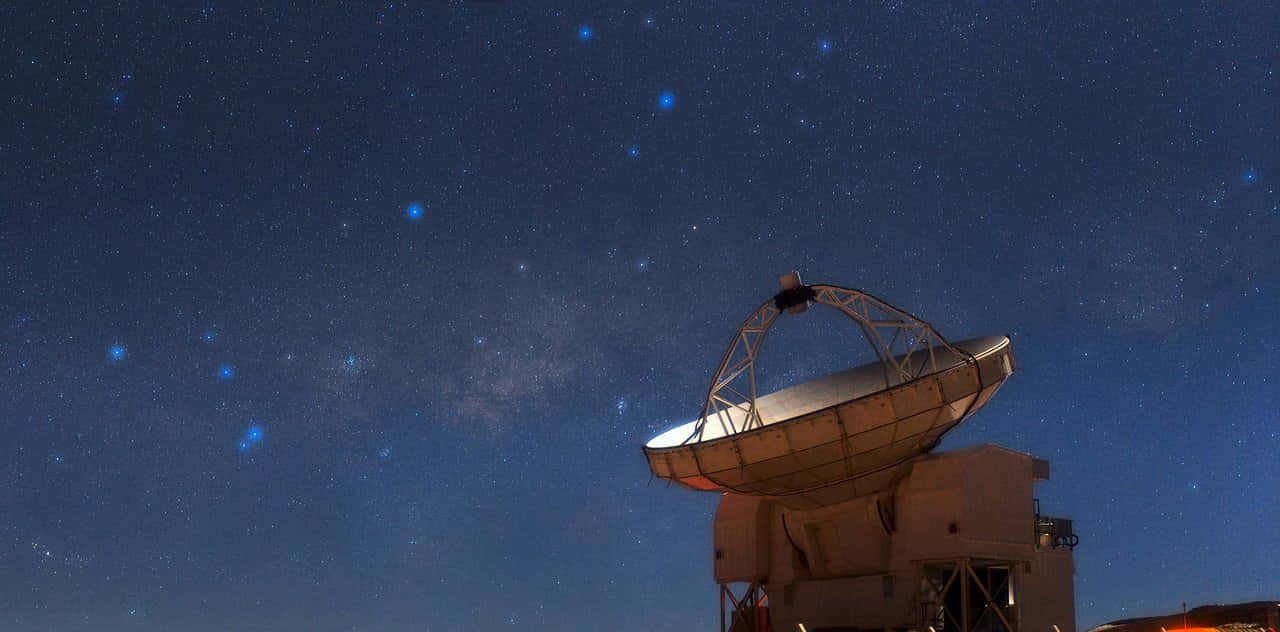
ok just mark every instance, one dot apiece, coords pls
pixel 357 318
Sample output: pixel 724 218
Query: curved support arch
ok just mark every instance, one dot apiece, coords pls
pixel 907 348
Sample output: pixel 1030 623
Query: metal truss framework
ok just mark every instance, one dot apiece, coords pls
pixel 746 614
pixel 964 594
pixel 907 348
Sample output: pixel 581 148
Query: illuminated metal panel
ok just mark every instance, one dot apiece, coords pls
pixel 837 437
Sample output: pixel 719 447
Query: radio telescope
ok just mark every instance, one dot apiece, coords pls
pixel 835 512
pixel 836 437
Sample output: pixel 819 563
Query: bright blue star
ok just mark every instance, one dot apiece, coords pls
pixel 117 98
pixel 226 371
pixel 824 46
pixel 414 212
pixel 666 100
pixel 116 352
pixel 633 151
pixel 252 437
pixel 584 32
pixel 1250 175
pixel 208 336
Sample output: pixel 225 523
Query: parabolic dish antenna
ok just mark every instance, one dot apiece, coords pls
pixel 845 435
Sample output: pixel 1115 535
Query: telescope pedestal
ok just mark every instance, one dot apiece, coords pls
pixel 957 545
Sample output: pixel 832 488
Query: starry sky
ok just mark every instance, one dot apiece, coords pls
pixel 356 318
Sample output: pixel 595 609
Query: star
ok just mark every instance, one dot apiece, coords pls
pixel 252 437
pixel 210 204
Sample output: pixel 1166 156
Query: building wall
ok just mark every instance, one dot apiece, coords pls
pixel 842 566
pixel 1046 593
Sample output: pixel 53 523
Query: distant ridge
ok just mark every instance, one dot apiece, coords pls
pixel 1262 616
